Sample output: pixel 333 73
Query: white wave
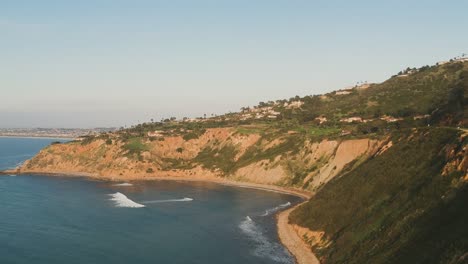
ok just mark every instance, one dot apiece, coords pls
pixel 123 184
pixel 263 247
pixel 12 175
pixel 169 200
pixel 275 209
pixel 122 201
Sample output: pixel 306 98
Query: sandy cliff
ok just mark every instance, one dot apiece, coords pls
pixel 307 167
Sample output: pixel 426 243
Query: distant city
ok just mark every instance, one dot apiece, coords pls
pixel 52 132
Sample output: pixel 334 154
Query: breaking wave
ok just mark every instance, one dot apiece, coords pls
pixel 169 200
pixel 263 247
pixel 123 184
pixel 275 209
pixel 122 201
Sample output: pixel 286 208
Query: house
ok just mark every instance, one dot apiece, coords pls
pixel 418 117
pixel 342 92
pixel 293 104
pixel 321 119
pixel 156 133
pixel 345 133
pixel 352 119
pixel 390 119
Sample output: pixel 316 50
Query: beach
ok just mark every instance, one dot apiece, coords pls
pixel 292 241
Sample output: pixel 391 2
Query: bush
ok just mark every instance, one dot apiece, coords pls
pixel 135 146
pixel 194 134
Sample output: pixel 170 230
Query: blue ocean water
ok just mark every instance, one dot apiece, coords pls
pixel 76 220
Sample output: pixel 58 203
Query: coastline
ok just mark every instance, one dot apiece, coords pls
pixel 242 184
pixel 37 137
pixel 287 235
pixel 291 240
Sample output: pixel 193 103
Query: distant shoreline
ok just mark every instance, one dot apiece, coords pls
pixel 33 137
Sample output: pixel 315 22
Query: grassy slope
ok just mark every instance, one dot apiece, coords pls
pixel 440 91
pixel 424 92
pixel 394 208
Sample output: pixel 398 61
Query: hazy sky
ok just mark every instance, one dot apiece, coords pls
pixel 94 63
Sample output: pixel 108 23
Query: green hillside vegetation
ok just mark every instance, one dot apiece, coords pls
pixel 425 91
pixel 438 91
pixel 431 95
pixel 396 207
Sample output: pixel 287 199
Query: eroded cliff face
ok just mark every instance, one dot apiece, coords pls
pixel 284 160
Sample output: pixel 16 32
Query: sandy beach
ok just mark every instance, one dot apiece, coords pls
pixel 292 241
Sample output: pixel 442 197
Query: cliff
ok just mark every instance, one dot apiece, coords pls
pixel 217 153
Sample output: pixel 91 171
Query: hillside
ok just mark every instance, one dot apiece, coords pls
pixel 287 160
pixel 406 205
pixel 301 142
pixel 387 162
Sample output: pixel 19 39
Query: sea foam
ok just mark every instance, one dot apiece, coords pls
pixel 169 200
pixel 123 184
pixel 122 201
pixel 275 209
pixel 263 247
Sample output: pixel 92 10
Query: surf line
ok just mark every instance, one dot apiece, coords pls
pixel 275 209
pixel 186 199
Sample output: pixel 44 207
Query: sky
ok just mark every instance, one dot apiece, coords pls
pixel 103 63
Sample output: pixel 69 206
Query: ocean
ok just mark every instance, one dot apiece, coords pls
pixel 52 219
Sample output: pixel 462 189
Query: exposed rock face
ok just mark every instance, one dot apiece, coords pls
pixel 309 166
pixel 346 152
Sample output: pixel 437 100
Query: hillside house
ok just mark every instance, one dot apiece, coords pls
pixel 156 133
pixel 343 92
pixel 390 119
pixel 352 119
pixel 321 119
